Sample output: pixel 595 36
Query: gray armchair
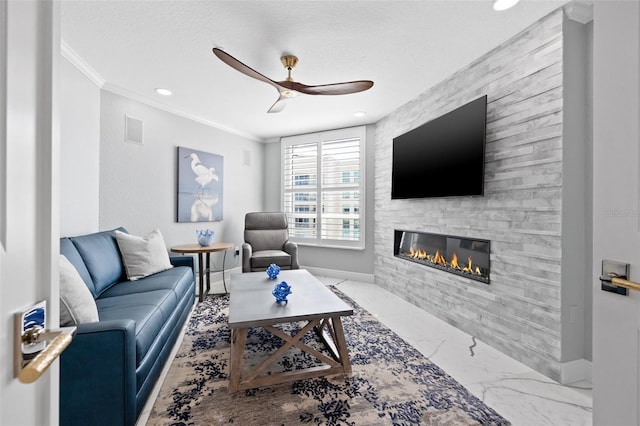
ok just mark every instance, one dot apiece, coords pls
pixel 266 241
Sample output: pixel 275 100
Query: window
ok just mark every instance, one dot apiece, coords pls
pixel 303 180
pixel 323 193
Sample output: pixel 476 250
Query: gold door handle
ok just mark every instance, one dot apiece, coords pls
pixel 34 369
pixel 621 282
pixel 35 347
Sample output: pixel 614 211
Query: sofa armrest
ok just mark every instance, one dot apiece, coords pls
pixel 292 249
pixel 98 375
pixel 247 251
pixel 183 261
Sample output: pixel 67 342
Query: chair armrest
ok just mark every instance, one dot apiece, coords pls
pixel 247 251
pixel 98 375
pixel 292 249
pixel 183 261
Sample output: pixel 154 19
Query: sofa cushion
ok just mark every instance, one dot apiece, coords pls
pixel 143 256
pixel 164 341
pixel 178 279
pixel 265 230
pixel 264 258
pixel 71 253
pixel 150 311
pixel 102 258
pixel 265 239
pixel 76 301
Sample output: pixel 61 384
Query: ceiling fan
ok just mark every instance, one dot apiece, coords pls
pixel 289 88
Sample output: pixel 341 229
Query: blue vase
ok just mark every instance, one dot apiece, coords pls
pixel 205 237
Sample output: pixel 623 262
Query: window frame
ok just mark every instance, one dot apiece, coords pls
pixel 320 138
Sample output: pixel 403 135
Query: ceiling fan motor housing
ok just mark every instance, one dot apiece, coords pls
pixel 289 61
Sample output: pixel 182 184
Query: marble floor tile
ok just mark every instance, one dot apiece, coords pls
pixel 520 394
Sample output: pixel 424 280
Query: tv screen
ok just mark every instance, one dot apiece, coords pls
pixel 443 157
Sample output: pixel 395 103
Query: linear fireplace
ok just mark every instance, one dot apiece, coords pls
pixel 468 257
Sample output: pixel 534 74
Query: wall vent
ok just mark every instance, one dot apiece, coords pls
pixel 133 130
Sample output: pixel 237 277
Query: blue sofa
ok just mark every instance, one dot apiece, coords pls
pixel 111 366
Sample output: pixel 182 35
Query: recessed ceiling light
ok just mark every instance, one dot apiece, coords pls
pixel 163 92
pixel 359 114
pixel 504 4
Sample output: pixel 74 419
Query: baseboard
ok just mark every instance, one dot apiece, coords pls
pixel 335 273
pixel 575 371
pixel 227 273
pixel 217 282
pixel 217 275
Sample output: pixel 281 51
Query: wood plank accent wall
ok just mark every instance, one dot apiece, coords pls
pixel 519 312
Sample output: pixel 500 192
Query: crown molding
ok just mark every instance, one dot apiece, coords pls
pixel 86 69
pixel 134 96
pixel 70 55
pixel 580 11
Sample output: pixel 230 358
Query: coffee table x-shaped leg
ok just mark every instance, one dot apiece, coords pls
pixel 331 331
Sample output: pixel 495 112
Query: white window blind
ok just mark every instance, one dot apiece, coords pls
pixel 323 187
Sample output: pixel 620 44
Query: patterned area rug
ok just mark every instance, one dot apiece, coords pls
pixel 392 383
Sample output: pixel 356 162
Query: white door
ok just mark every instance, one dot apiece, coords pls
pixel 29 50
pixel 616 209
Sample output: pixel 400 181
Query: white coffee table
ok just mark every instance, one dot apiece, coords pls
pixel 251 304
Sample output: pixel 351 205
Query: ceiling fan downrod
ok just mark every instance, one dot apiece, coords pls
pixel 289 62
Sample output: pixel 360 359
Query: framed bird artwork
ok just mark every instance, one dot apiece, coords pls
pixel 200 183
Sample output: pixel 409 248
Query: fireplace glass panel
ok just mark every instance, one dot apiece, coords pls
pixel 468 257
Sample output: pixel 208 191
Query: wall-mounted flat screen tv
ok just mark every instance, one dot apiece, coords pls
pixel 443 157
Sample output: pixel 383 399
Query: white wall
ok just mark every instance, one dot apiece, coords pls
pixel 272 177
pixel 576 315
pixel 616 207
pixel 138 183
pixel 79 152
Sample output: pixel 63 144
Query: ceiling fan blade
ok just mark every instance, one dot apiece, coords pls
pixel 279 104
pixel 239 66
pixel 287 88
pixel 331 89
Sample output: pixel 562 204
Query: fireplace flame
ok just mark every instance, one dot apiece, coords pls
pixel 468 268
pixel 454 261
pixel 417 254
pixel 438 259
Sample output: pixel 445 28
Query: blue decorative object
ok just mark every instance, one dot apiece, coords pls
pixel 281 291
pixel 205 237
pixel 273 270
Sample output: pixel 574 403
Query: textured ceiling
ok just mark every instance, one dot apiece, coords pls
pixel 405 47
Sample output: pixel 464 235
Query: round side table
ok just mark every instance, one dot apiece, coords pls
pixel 204 262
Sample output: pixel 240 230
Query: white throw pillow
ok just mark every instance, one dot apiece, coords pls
pixel 77 305
pixel 143 256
